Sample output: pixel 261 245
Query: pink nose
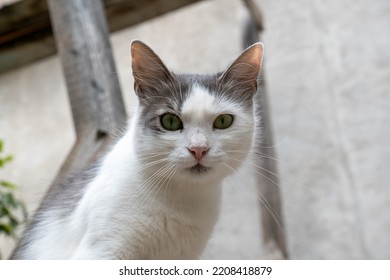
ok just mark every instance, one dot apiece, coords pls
pixel 198 152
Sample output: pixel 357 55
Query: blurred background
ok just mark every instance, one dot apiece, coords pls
pixel 327 71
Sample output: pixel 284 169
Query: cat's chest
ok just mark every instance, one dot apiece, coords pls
pixel 137 223
pixel 164 237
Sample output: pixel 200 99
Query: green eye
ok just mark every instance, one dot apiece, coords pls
pixel 223 121
pixel 171 122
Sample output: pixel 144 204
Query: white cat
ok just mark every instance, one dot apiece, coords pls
pixel 156 194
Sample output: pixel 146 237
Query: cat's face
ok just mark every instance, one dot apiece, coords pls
pixel 194 127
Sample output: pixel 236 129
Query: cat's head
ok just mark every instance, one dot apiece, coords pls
pixel 194 127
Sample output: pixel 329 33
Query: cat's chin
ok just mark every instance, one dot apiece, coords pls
pixel 199 169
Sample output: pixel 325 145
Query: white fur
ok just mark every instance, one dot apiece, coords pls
pixel 144 203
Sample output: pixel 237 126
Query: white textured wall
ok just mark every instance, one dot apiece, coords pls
pixel 328 70
pixel 328 75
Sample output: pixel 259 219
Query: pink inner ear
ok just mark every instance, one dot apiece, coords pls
pixel 247 66
pixel 255 56
pixel 252 58
pixel 148 69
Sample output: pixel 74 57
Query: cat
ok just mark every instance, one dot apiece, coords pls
pixel 156 194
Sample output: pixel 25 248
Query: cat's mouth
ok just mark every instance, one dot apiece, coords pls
pixel 199 169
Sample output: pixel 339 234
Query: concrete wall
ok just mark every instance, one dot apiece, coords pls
pixel 328 70
pixel 328 74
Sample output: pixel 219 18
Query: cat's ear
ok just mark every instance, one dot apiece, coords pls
pixel 245 70
pixel 148 69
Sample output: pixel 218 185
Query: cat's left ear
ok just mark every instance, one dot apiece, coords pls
pixel 148 69
pixel 246 68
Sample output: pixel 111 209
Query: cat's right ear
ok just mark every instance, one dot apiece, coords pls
pixel 148 69
pixel 245 70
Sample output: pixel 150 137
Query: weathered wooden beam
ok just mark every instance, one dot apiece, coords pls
pixel 26 33
pixel 274 237
pixel 256 14
pixel 82 38
pixel 274 233
pixel 98 110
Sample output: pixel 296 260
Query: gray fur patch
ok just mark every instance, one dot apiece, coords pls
pixel 170 96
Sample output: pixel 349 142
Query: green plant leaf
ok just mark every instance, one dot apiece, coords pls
pixel 8 199
pixel 7 185
pixel 4 211
pixel 6 228
pixel 5 160
pixel 8 158
pixel 10 206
